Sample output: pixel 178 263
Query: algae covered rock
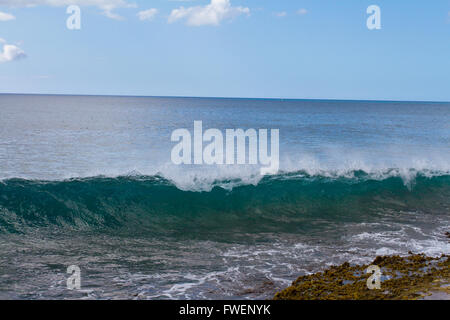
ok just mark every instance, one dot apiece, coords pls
pixel 411 277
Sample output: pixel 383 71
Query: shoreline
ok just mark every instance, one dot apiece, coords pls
pixel 411 277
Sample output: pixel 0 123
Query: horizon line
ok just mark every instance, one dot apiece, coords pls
pixel 217 97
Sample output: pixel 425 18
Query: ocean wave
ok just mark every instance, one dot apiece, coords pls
pixel 283 202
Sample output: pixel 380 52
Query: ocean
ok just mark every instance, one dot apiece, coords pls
pixel 89 181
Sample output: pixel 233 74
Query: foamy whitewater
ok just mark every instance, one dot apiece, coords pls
pixel 89 181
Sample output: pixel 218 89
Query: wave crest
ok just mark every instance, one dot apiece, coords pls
pixel 283 202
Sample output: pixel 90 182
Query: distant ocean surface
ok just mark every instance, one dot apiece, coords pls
pixel 88 181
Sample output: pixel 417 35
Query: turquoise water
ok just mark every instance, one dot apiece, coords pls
pixel 89 181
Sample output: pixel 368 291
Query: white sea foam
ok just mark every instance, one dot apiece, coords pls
pixel 331 162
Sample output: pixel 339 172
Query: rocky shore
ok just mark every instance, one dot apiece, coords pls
pixel 415 276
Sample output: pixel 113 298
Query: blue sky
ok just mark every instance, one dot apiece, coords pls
pixel 230 48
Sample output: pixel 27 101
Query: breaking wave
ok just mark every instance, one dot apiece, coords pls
pixel 287 202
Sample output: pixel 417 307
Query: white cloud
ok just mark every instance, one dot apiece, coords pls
pixel 147 14
pixel 302 11
pixel 281 14
pixel 6 16
pixel 211 14
pixel 10 52
pixel 112 15
pixel 107 6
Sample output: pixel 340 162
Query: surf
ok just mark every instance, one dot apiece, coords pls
pixel 288 202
